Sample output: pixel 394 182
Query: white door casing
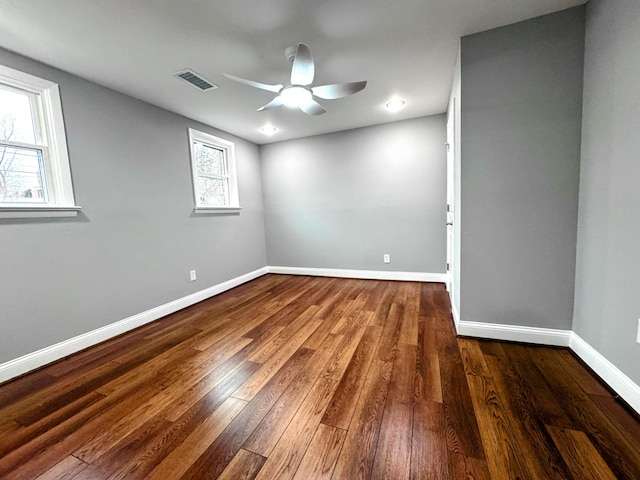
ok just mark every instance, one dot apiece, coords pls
pixel 450 188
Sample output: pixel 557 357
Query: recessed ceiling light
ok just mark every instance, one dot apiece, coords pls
pixel 268 130
pixel 395 104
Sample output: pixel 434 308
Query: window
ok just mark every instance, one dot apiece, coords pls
pixel 35 178
pixel 213 166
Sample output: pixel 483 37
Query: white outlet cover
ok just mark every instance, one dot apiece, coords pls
pixel 387 258
pixel 192 275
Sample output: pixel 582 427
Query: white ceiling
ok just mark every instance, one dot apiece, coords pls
pixel 404 47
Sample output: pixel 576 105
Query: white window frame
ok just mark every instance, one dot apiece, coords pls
pixel 228 149
pixel 52 143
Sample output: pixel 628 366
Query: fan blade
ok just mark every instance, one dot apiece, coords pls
pixel 276 102
pixel 302 70
pixel 338 90
pixel 251 83
pixel 313 108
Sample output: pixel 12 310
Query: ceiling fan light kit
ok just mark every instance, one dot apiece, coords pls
pixel 295 96
pixel 300 93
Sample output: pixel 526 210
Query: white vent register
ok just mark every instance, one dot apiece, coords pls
pixel 196 80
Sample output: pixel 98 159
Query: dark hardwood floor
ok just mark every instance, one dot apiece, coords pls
pixel 301 378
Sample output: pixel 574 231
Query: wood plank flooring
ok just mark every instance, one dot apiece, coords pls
pixel 315 378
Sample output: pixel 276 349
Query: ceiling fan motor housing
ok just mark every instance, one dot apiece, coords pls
pixel 290 52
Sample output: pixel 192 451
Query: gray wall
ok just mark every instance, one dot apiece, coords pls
pixel 342 200
pixel 137 237
pixel 607 280
pixel 521 122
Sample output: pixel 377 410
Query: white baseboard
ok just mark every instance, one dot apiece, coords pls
pixel 362 274
pixel 612 375
pixel 31 361
pixel 608 372
pixel 454 312
pixel 515 333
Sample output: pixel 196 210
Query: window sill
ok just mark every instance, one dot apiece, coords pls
pixel 218 209
pixel 39 211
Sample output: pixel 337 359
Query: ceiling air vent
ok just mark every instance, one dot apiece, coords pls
pixel 196 80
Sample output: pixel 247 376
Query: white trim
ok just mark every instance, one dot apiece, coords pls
pixel 23 80
pixel 51 105
pixel 515 333
pixel 31 361
pixel 39 211
pixel 608 372
pixel 362 274
pixel 49 122
pixel 231 173
pixel 218 209
pixel 612 375
pixel 454 309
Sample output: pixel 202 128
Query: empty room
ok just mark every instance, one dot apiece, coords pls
pixel 296 239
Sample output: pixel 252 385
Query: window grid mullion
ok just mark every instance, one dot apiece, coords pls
pixel 26 146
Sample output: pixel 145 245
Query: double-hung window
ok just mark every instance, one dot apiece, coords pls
pixel 213 167
pixel 35 177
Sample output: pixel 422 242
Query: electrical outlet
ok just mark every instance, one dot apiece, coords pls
pixel 387 258
pixel 192 275
pixel 638 334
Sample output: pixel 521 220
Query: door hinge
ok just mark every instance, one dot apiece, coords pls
pixel 448 266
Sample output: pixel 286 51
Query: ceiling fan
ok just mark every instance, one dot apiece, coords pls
pixel 299 93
